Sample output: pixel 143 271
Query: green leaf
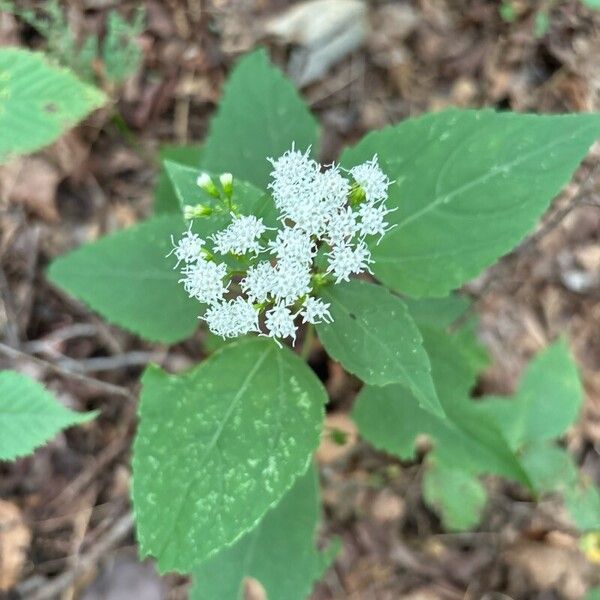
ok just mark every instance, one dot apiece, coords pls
pixel 594 593
pixel 373 336
pixel 583 504
pixel 121 52
pixel 246 197
pixel 165 198
pixel 469 186
pixel 549 467
pixel 391 419
pixel 218 446
pixel 437 312
pixel 39 101
pixel 260 115
pixel 457 496
pixel 285 536
pixel 128 279
pixel 592 3
pixel 547 402
pixel 30 415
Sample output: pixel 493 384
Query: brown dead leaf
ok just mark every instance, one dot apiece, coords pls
pixel 253 590
pixel 15 538
pixel 387 507
pixel 559 568
pixel 31 181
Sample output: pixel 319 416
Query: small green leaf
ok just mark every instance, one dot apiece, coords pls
pixel 583 503
pixel 285 536
pixel 549 467
pixel 218 446
pixel 592 3
pixel 165 198
pixel 469 186
pixel 457 496
pixel 39 101
pixel 260 115
pixel 391 419
pixel 128 279
pixel 30 415
pixel 373 336
pixel 547 402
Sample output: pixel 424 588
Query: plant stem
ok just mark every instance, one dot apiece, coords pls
pixel 307 344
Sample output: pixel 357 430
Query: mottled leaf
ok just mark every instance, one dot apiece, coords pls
pixel 218 446
pixel 285 536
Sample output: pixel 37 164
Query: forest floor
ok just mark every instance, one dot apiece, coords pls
pixel 417 56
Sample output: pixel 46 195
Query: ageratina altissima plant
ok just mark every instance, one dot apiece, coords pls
pixel 325 217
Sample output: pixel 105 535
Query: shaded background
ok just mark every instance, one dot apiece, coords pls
pixel 359 67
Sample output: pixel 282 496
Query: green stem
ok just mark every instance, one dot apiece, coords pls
pixel 308 342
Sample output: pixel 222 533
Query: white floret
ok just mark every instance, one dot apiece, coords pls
pixel 315 311
pixel 233 318
pixel 372 219
pixel 291 281
pixel 333 188
pixel 342 227
pixel 293 244
pixel 280 322
pixel 259 281
pixel 203 280
pixel 371 179
pixel 188 248
pixel 240 236
pixel 346 260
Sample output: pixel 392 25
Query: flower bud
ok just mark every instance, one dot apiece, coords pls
pixel 207 184
pixel 226 180
pixel 194 212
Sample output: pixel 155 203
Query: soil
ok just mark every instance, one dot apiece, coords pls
pixel 71 498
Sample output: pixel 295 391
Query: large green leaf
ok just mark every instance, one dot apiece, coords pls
pixel 128 279
pixel 285 536
pixel 468 186
pixel 373 336
pixel 218 446
pixel 260 115
pixel 165 198
pixel 39 101
pixel 30 415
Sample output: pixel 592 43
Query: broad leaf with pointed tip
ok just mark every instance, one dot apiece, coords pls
pixel 39 101
pixel 218 446
pixel 285 536
pixel 30 415
pixel 373 336
pixel 468 187
pixel 260 115
pixel 128 279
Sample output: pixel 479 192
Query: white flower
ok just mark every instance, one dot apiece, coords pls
pixel 373 219
pixel 280 322
pixel 371 179
pixel 292 176
pixel 333 188
pixel 258 283
pixel 232 318
pixel 315 311
pixel 240 236
pixel 291 280
pixel 345 261
pixel 293 244
pixel 203 280
pixel 188 248
pixel 205 182
pixel 342 227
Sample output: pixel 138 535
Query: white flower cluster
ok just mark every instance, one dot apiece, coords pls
pixel 326 212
